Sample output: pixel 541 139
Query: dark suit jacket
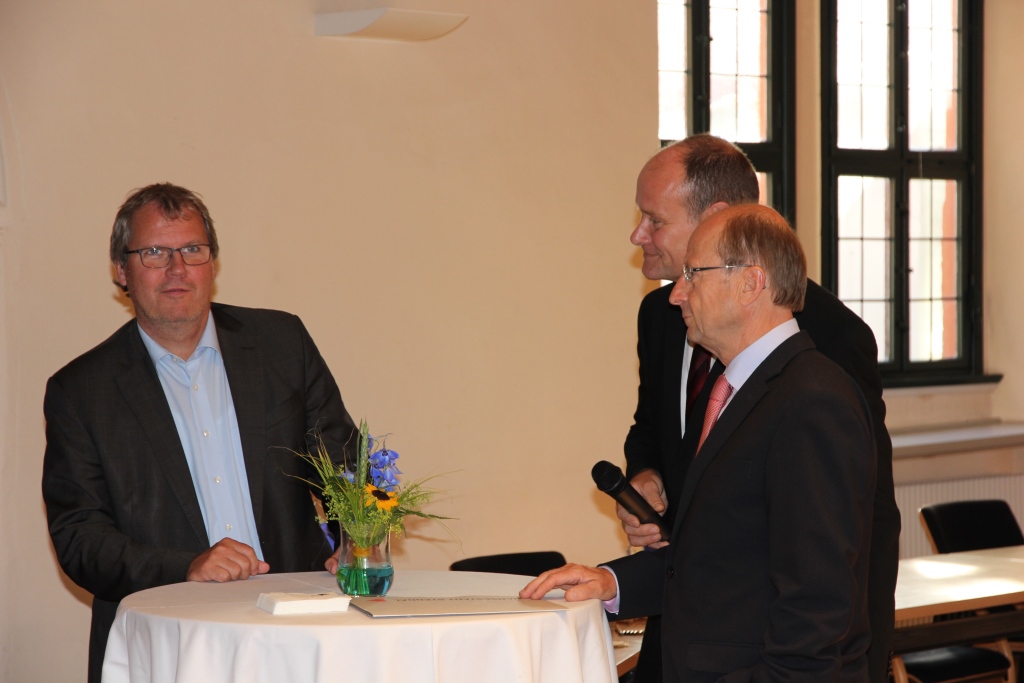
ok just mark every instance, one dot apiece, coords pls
pixel 766 573
pixel 122 509
pixel 654 440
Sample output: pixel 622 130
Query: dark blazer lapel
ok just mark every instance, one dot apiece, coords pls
pixel 675 328
pixel 749 395
pixel 244 367
pixel 143 393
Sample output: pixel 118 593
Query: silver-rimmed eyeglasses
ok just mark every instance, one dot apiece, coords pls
pixel 689 272
pixel 160 257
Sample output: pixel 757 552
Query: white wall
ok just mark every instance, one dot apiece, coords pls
pixel 450 219
pixel 1004 239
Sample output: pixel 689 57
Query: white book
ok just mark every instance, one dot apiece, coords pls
pixel 302 603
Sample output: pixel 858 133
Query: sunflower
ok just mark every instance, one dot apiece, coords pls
pixel 384 500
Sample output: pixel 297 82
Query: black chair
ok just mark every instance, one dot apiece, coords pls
pixel 525 564
pixel 958 527
pixel 959 663
pixel 971 525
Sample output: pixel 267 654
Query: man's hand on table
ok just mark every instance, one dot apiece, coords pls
pixel 332 562
pixel 227 560
pixel 579 582
pixel 650 486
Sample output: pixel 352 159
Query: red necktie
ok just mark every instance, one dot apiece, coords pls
pixel 700 364
pixel 719 395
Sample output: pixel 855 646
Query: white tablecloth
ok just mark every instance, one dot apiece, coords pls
pixel 196 632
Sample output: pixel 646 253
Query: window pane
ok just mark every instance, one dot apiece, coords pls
pixel 933 13
pixel 752 37
pixel 875 133
pixel 876 269
pixel 875 68
pixel 863 74
pixel 933 75
pixel 745 5
pixel 739 73
pixel 752 120
pixel 851 276
pixel 723 41
pixel 878 314
pixel 876 207
pixel 849 119
pixel 944 119
pixel 851 205
pixel 673 90
pixel 865 252
pixel 934 327
pixel 934 257
pixel 672 96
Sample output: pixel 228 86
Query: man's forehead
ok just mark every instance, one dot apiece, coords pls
pixel 702 244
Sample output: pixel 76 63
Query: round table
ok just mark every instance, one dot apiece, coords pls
pixel 215 632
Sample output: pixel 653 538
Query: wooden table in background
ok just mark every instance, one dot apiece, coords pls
pixel 958 582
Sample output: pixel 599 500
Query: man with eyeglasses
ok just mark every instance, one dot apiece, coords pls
pixel 167 455
pixel 765 577
pixel 681 185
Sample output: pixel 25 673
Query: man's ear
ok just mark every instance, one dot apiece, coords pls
pixel 755 281
pixel 122 278
pixel 712 210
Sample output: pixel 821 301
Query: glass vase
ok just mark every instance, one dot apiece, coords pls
pixel 365 571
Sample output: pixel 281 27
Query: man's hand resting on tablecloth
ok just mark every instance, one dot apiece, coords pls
pixel 332 561
pixel 227 560
pixel 579 582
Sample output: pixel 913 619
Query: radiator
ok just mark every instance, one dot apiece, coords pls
pixel 911 497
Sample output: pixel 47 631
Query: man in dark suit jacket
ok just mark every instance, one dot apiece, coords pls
pixel 766 574
pixel 682 184
pixel 125 509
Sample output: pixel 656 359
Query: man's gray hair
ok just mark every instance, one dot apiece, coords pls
pixel 174 202
pixel 760 236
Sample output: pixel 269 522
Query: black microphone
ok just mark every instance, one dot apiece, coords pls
pixel 610 479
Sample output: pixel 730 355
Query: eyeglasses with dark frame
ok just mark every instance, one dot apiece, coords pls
pixel 688 272
pixel 160 257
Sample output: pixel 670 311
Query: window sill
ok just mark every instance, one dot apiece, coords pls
pixel 965 452
pixel 981 437
pixel 935 381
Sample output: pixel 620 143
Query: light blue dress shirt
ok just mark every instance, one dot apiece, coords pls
pixel 750 358
pixel 198 394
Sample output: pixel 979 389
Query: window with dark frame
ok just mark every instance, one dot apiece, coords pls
pixel 727 67
pixel 901 180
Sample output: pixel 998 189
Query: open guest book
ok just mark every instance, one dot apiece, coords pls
pixel 435 607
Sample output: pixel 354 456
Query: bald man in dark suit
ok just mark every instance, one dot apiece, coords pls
pixel 676 189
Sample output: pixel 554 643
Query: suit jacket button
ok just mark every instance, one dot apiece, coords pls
pixel 670 572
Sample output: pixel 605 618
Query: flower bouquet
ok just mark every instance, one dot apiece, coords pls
pixel 368 501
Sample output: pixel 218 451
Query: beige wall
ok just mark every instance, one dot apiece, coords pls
pixel 450 219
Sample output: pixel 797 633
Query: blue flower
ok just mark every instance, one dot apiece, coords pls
pixel 383 458
pixel 383 469
pixel 350 477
